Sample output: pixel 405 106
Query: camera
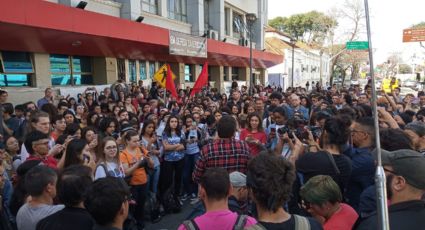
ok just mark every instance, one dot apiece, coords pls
pixel 285 129
pixel 298 125
pixel 316 131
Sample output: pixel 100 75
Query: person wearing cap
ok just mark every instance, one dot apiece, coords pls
pixel 404 171
pixel 416 132
pixel 238 193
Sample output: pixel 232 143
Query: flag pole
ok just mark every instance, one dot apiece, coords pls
pixel 380 180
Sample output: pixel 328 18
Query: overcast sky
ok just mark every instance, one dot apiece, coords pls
pixel 388 19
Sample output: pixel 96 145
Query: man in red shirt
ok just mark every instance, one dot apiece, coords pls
pixel 37 145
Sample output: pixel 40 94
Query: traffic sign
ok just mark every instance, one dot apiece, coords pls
pixel 414 35
pixel 357 45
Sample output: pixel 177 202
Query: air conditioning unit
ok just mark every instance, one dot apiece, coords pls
pixel 213 34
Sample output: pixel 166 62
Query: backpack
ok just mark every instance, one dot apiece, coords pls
pixel 239 224
pixel 151 207
pixel 301 223
pixel 171 205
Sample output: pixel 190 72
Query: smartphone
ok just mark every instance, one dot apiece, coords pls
pixel 86 158
pixel 273 130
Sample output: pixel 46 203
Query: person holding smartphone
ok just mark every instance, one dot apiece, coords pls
pixel 254 134
pixel 192 153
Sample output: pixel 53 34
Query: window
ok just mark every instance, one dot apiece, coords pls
pixel 226 21
pixel 15 69
pixel 188 76
pixel 132 74
pixel 142 70
pixel 70 70
pixel 206 15
pixel 188 73
pixel 238 25
pixel 177 10
pixel 150 6
pixel 235 73
pixel 151 69
pixel 225 73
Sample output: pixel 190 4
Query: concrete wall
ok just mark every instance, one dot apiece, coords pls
pixel 99 6
pixel 42 70
pixel 249 6
pixel 195 16
pixel 130 9
pixel 167 23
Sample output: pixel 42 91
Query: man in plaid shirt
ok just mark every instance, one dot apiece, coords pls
pixel 224 152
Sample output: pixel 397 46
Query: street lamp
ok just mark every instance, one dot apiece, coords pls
pixel 293 41
pixel 250 18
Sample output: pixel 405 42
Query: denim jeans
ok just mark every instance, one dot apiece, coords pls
pixel 189 166
pixel 153 179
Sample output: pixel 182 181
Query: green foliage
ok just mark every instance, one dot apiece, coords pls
pixel 311 28
pixel 419 25
pixel 404 68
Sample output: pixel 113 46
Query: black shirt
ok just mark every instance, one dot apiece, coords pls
pixel 67 219
pixel 405 215
pixel 320 163
pixel 290 224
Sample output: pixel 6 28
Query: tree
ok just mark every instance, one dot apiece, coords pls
pixel 419 25
pixel 311 28
pixel 404 69
pixel 352 16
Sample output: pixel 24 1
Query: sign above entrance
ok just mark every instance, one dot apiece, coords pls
pixel 187 45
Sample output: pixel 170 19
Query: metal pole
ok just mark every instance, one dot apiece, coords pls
pixel 251 77
pixel 292 74
pixel 381 189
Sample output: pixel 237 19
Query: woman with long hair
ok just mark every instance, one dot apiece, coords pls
pixel 12 149
pixel 79 112
pixel 108 160
pixel 135 159
pixel 173 142
pixel 129 106
pixel 108 127
pixel 327 159
pixel 77 153
pixel 90 135
pixel 254 134
pixel 150 142
pixel 69 117
pixel 193 134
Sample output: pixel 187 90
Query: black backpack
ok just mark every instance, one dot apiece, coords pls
pixel 170 204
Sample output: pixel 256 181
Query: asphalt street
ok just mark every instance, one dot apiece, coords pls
pixel 171 221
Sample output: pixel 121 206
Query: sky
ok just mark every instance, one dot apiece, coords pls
pixel 388 19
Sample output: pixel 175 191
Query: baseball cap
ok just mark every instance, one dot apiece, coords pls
pixel 406 163
pixel 237 179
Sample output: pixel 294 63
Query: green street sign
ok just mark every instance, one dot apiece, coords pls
pixel 357 45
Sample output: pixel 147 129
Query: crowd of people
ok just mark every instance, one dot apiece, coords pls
pixel 303 158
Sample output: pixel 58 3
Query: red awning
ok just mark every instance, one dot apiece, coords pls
pixel 41 26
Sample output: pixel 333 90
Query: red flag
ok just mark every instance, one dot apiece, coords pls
pixel 169 82
pixel 201 81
